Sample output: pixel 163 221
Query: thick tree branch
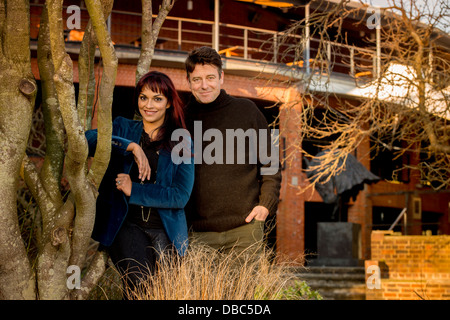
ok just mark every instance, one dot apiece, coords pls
pixel 86 77
pixel 31 177
pixel 103 150
pixel 93 274
pixel 2 26
pixel 77 150
pixel 150 32
pixel 18 90
pixel 51 171
pixel 86 74
pixel 16 40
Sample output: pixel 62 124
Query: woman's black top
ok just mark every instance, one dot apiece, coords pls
pixel 144 216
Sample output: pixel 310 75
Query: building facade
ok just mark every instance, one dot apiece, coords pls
pixel 244 33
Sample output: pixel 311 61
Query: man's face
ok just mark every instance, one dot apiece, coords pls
pixel 205 82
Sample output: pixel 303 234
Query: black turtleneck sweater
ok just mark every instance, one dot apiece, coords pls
pixel 225 193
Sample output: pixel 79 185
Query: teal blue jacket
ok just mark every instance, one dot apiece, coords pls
pixel 169 194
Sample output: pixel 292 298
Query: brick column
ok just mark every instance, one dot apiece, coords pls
pixel 361 210
pixel 291 210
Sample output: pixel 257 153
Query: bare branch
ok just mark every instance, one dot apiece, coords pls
pixel 408 103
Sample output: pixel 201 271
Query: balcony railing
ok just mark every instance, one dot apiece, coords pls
pixel 235 41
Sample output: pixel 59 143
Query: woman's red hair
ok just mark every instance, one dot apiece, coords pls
pixel 160 83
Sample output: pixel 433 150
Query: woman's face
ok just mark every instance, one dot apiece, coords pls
pixel 152 106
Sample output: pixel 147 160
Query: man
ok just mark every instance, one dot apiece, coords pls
pixel 232 195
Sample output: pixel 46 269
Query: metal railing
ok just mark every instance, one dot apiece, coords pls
pixel 235 41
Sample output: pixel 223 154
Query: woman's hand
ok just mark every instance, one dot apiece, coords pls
pixel 124 184
pixel 141 160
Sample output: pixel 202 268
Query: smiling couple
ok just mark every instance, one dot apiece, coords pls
pixel 148 203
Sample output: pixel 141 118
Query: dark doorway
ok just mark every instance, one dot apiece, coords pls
pixel 384 217
pixel 430 222
pixel 123 102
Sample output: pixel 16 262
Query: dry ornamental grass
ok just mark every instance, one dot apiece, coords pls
pixel 206 274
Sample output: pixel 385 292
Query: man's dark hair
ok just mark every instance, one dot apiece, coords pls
pixel 203 55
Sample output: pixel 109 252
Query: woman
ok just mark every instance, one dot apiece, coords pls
pixel 140 208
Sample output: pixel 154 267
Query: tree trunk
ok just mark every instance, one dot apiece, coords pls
pixel 66 223
pixel 16 107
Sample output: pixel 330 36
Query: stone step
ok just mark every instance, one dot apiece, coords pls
pixel 343 296
pixel 315 269
pixel 329 292
pixel 348 277
pixel 335 283
pixel 328 270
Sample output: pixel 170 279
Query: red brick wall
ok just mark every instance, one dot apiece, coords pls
pixel 291 210
pixel 291 213
pixel 290 218
pixel 360 210
pixel 412 267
